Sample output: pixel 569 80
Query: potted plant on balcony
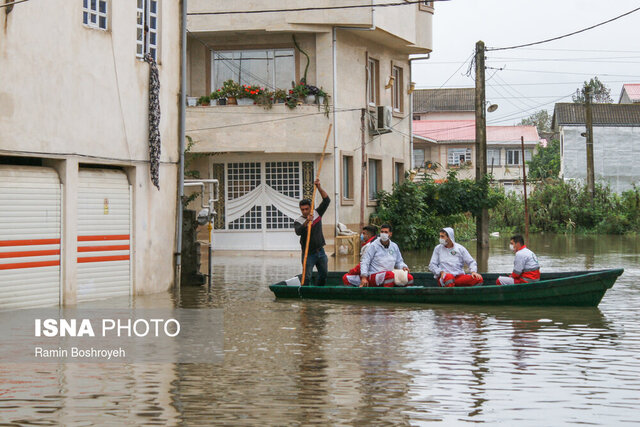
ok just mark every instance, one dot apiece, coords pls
pixel 231 91
pixel 204 101
pixel 299 91
pixel 215 97
pixel 279 96
pixel 265 98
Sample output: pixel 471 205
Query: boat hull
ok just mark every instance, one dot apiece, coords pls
pixel 584 289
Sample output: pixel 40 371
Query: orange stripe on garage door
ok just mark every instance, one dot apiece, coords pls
pixel 103 248
pixel 31 242
pixel 29 253
pixel 103 237
pixel 104 258
pixel 29 264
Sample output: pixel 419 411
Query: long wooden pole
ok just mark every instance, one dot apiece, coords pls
pixel 363 169
pixel 313 200
pixel 482 220
pixel 589 123
pixel 526 206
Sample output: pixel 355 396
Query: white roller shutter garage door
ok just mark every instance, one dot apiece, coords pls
pixel 30 225
pixel 104 224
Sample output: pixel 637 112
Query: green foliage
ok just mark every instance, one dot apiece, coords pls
pixel 189 157
pixel 545 163
pixel 566 207
pixel 600 93
pixel 418 211
pixel 541 120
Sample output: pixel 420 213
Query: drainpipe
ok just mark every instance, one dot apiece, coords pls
pixel 336 152
pixel 181 139
pixel 413 160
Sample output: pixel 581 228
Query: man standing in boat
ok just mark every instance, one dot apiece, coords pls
pixel 379 261
pixel 317 257
pixel 448 261
pixel 369 234
pixel 526 268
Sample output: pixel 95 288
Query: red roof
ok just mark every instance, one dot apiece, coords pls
pixel 465 130
pixel 633 91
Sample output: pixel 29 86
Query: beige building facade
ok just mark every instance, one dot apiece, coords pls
pixel 266 158
pixel 81 215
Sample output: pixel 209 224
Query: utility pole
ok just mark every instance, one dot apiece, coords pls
pixel 526 206
pixel 363 171
pixel 482 222
pixel 589 122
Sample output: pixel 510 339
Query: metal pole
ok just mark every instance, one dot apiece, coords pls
pixel 181 138
pixel 363 170
pixel 210 228
pixel 482 222
pixel 526 206
pixel 589 123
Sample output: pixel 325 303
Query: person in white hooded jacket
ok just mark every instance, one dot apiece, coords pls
pixel 448 261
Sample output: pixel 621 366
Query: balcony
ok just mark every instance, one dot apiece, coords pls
pixel 252 128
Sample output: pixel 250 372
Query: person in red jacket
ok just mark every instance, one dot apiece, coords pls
pixel 369 234
pixel 526 268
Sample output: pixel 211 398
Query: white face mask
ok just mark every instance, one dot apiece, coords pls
pixel 384 237
pixel 512 248
pixel 443 241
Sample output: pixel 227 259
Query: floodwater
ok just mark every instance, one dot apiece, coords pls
pixel 294 362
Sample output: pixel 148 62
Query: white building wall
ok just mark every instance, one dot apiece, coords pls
pixel 70 94
pixel 616 152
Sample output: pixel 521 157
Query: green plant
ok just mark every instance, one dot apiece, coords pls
pixel 230 89
pixel 204 100
pixel 419 210
pixel 266 98
pixel 545 163
pixel 299 90
pixel 250 91
pixel 216 94
pixel 189 157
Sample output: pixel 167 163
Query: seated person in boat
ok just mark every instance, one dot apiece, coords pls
pixel 379 261
pixel 369 234
pixel 526 268
pixel 448 261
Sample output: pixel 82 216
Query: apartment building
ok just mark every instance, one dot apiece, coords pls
pixel 266 157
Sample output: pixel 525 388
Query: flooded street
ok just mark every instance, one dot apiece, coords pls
pixel 294 362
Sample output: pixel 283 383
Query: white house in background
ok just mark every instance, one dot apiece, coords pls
pixel 450 145
pixel 266 159
pixel 630 94
pixel 616 143
pixel 79 216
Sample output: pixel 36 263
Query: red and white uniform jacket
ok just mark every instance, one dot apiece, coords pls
pixel 526 266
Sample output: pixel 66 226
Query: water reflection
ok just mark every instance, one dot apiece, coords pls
pixel 330 363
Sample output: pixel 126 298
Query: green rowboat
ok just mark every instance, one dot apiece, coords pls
pixel 582 288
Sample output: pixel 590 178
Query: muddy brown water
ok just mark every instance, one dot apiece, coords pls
pixel 294 362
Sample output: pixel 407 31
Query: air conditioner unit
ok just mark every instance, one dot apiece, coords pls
pixel 381 122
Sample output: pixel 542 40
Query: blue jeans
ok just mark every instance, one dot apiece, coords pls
pixel 321 262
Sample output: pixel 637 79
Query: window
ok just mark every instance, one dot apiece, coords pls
pixel 514 156
pixel 418 157
pixel 493 157
pixel 398 172
pixel 347 177
pixel 397 98
pixel 94 13
pixel 273 68
pixel 375 178
pixel 458 156
pixel 373 81
pixel 147 24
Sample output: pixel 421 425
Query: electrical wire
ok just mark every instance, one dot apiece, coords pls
pixel 12 3
pixel 307 9
pixel 564 35
pixel 560 72
pixel 456 71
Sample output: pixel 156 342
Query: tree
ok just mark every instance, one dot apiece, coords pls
pixel 545 163
pixel 600 93
pixel 541 120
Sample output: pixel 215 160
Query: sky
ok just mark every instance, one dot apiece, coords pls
pixel 532 78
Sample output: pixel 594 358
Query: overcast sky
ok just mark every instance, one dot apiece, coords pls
pixel 553 70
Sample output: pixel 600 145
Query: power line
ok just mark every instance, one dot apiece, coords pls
pixel 564 35
pixel 561 72
pixel 306 9
pixel 456 71
pixel 12 3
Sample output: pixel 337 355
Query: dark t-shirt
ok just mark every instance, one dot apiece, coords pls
pixel 317 237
